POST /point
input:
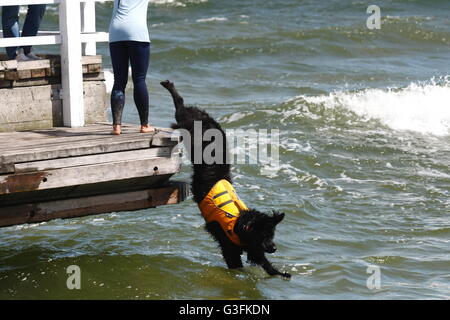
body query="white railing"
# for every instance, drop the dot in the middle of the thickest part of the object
(77, 35)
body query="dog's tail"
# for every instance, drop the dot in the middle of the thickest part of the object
(177, 99)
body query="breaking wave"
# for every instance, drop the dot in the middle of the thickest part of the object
(419, 107)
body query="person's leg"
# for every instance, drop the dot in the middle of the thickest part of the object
(120, 62)
(32, 23)
(139, 53)
(10, 25)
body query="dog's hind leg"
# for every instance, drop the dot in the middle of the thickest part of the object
(230, 252)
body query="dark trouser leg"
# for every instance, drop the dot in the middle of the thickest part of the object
(119, 59)
(32, 22)
(117, 105)
(139, 53)
(10, 25)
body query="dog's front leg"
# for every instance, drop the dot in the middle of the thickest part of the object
(258, 257)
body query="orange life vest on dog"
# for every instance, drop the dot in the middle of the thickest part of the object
(223, 205)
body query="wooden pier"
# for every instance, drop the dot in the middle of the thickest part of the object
(67, 164)
(71, 172)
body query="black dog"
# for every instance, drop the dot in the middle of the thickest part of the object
(252, 231)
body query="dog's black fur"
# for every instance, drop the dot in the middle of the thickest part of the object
(255, 229)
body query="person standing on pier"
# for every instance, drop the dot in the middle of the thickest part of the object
(10, 25)
(129, 44)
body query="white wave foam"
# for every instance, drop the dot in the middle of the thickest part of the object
(175, 2)
(236, 117)
(420, 107)
(212, 19)
(170, 2)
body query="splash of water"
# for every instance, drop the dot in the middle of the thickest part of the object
(421, 107)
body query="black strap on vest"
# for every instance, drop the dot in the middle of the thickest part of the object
(225, 203)
(220, 194)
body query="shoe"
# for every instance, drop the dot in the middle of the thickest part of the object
(21, 56)
(32, 56)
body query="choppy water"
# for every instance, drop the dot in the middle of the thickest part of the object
(364, 179)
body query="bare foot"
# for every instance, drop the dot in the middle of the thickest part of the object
(147, 129)
(116, 130)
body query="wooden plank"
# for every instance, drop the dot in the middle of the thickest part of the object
(34, 82)
(164, 138)
(172, 193)
(94, 76)
(49, 139)
(46, 67)
(56, 143)
(5, 84)
(91, 60)
(84, 190)
(53, 59)
(14, 142)
(11, 75)
(90, 160)
(80, 148)
(94, 68)
(91, 174)
(8, 65)
(30, 125)
(37, 73)
(53, 72)
(6, 168)
(35, 64)
(23, 74)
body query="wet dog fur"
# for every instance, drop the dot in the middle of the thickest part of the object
(255, 229)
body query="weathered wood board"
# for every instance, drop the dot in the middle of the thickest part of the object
(67, 172)
(61, 158)
(20, 147)
(42, 72)
(87, 174)
(134, 155)
(171, 193)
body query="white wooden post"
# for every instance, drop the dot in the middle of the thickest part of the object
(88, 25)
(71, 68)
